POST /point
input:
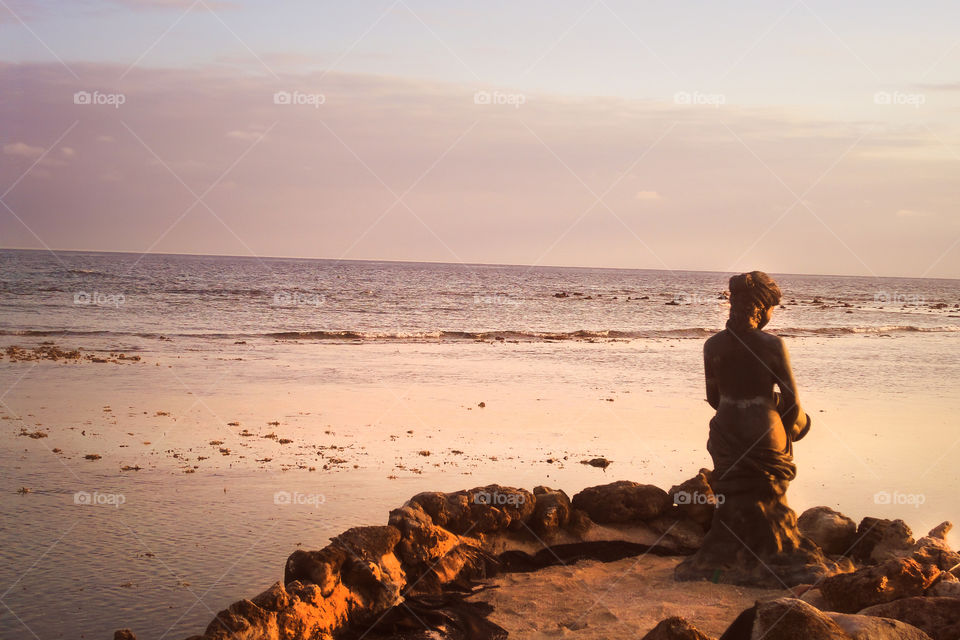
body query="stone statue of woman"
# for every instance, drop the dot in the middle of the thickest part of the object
(753, 539)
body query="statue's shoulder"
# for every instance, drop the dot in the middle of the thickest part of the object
(715, 341)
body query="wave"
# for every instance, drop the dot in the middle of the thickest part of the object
(486, 336)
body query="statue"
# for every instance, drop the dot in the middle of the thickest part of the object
(753, 538)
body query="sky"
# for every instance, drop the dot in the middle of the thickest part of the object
(795, 137)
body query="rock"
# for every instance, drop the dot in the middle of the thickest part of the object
(894, 579)
(896, 541)
(793, 619)
(551, 512)
(124, 634)
(623, 501)
(944, 588)
(695, 498)
(600, 463)
(872, 628)
(833, 532)
(933, 549)
(941, 530)
(815, 597)
(430, 555)
(479, 510)
(873, 533)
(675, 628)
(938, 617)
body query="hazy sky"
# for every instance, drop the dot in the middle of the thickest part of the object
(806, 136)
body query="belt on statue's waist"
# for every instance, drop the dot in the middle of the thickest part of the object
(744, 403)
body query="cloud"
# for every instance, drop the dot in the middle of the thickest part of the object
(911, 213)
(22, 150)
(483, 182)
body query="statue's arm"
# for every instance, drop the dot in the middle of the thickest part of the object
(791, 414)
(713, 393)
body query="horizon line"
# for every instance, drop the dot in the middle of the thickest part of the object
(441, 262)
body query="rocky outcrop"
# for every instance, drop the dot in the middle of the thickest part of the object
(379, 581)
(417, 566)
(833, 532)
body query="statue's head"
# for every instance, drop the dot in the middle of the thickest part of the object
(753, 297)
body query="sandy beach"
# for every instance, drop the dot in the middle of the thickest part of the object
(188, 438)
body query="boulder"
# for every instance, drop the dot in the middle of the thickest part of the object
(421, 541)
(815, 597)
(793, 619)
(480, 510)
(124, 634)
(887, 537)
(898, 578)
(947, 585)
(551, 512)
(933, 549)
(861, 627)
(675, 628)
(623, 502)
(938, 617)
(832, 531)
(896, 541)
(695, 498)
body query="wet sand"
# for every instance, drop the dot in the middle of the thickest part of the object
(611, 601)
(355, 430)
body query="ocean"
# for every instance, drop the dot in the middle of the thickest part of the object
(345, 387)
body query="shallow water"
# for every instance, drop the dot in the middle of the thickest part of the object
(182, 546)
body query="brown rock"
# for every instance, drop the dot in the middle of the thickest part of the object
(792, 619)
(480, 510)
(124, 634)
(832, 531)
(933, 549)
(623, 501)
(939, 618)
(872, 628)
(894, 579)
(896, 541)
(873, 532)
(695, 498)
(551, 512)
(675, 628)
